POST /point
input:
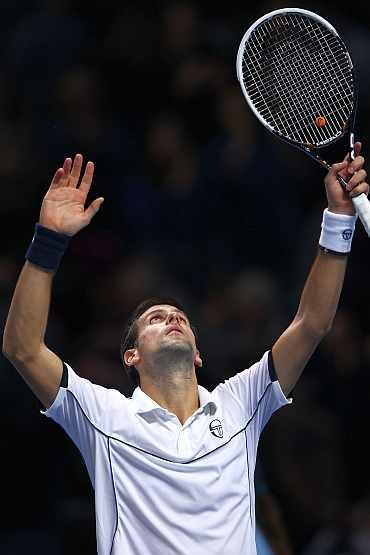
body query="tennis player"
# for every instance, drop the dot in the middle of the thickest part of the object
(172, 467)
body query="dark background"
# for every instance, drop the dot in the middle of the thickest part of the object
(200, 202)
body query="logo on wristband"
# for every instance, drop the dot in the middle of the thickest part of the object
(347, 234)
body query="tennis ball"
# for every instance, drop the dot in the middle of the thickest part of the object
(320, 121)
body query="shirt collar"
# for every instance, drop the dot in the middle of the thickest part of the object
(145, 404)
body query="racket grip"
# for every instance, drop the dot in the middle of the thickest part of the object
(362, 205)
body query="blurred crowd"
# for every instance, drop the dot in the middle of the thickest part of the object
(200, 203)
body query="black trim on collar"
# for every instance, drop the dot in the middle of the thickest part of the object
(271, 365)
(64, 380)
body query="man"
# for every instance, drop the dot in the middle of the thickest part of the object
(173, 467)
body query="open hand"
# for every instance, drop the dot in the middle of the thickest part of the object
(63, 207)
(352, 171)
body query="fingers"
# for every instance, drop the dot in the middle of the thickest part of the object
(358, 185)
(62, 175)
(356, 179)
(66, 168)
(336, 168)
(363, 187)
(58, 176)
(87, 178)
(69, 174)
(67, 165)
(93, 208)
(357, 182)
(349, 168)
(76, 170)
(356, 164)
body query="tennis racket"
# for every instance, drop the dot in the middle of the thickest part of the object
(298, 78)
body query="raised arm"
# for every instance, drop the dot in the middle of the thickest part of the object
(321, 293)
(62, 215)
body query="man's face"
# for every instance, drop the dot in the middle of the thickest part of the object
(164, 327)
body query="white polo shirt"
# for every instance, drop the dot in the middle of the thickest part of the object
(163, 488)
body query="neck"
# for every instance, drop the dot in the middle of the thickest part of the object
(176, 391)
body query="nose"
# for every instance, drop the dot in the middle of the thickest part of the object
(173, 317)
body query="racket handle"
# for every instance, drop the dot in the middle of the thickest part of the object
(362, 205)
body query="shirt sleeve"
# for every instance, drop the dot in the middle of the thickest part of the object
(82, 409)
(254, 394)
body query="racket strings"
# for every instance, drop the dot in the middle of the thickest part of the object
(272, 95)
(294, 70)
(335, 84)
(303, 44)
(274, 98)
(293, 84)
(297, 98)
(314, 86)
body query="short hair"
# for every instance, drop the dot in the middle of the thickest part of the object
(130, 332)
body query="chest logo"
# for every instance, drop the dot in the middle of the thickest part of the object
(216, 428)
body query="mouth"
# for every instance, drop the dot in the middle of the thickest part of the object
(174, 331)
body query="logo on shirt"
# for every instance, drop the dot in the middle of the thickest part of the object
(216, 428)
(347, 234)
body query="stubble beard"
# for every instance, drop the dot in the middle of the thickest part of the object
(174, 359)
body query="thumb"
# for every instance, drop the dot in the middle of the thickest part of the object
(93, 208)
(356, 151)
(357, 148)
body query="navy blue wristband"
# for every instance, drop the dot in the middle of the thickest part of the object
(47, 248)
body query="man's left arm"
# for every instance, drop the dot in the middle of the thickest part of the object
(321, 293)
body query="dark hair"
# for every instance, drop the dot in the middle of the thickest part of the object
(129, 336)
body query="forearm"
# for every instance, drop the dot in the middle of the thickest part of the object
(27, 319)
(323, 287)
(321, 293)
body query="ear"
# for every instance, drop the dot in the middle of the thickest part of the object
(198, 360)
(131, 357)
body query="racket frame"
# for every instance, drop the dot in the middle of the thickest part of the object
(310, 150)
(360, 202)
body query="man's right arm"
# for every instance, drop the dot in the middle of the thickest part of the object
(23, 341)
(63, 213)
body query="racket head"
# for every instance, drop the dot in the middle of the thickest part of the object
(297, 77)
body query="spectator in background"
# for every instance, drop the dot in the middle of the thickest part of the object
(271, 533)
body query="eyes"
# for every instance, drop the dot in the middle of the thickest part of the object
(156, 318)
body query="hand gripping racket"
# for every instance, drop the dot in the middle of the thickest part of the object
(297, 77)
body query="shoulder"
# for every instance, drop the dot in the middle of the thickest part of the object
(80, 398)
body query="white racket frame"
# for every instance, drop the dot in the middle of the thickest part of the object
(360, 202)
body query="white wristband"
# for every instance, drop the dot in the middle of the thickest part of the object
(337, 231)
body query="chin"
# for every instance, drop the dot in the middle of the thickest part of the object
(178, 348)
(177, 342)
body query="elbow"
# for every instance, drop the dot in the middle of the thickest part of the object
(9, 346)
(316, 329)
(10, 352)
(14, 352)
(6, 348)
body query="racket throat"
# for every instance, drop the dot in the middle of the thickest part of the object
(318, 158)
(327, 166)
